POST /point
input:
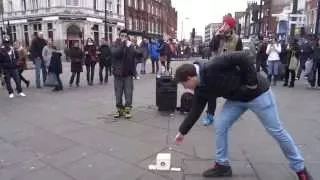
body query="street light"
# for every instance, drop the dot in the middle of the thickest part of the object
(105, 21)
(182, 35)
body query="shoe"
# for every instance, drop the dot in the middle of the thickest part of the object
(119, 113)
(77, 85)
(304, 175)
(28, 84)
(218, 171)
(285, 84)
(22, 94)
(138, 78)
(11, 96)
(207, 120)
(127, 113)
(291, 86)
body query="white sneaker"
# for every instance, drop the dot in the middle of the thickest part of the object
(138, 78)
(22, 94)
(11, 96)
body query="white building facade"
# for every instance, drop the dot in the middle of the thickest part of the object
(63, 21)
(210, 30)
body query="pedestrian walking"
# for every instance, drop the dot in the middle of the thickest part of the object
(292, 63)
(262, 56)
(104, 62)
(76, 56)
(91, 60)
(123, 65)
(138, 60)
(273, 52)
(22, 61)
(154, 55)
(144, 46)
(171, 53)
(55, 68)
(9, 64)
(316, 66)
(164, 53)
(37, 45)
(236, 80)
(306, 52)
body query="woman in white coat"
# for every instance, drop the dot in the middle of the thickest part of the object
(273, 52)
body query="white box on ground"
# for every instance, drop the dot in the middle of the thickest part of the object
(164, 161)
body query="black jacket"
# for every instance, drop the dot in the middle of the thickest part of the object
(228, 77)
(37, 46)
(123, 59)
(7, 61)
(105, 55)
(55, 63)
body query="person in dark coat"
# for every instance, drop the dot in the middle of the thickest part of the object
(104, 62)
(316, 66)
(55, 67)
(91, 60)
(76, 56)
(123, 65)
(262, 56)
(9, 64)
(22, 61)
(294, 50)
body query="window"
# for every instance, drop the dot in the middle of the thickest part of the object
(75, 3)
(13, 33)
(142, 4)
(118, 7)
(149, 26)
(48, 3)
(95, 4)
(129, 3)
(34, 4)
(142, 25)
(50, 31)
(130, 23)
(37, 28)
(23, 5)
(10, 6)
(109, 6)
(26, 34)
(136, 4)
(137, 24)
(149, 8)
(152, 9)
(110, 34)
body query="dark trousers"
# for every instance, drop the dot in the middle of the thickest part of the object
(90, 72)
(302, 66)
(316, 69)
(12, 73)
(73, 76)
(289, 73)
(166, 64)
(123, 85)
(103, 66)
(59, 86)
(21, 76)
(155, 66)
(262, 64)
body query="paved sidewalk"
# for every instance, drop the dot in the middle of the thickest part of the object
(71, 136)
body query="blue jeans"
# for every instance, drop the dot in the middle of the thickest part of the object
(273, 68)
(39, 65)
(265, 108)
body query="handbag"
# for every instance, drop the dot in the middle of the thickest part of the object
(294, 63)
(51, 80)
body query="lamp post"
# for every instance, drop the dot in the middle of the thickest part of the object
(317, 20)
(182, 28)
(294, 12)
(106, 38)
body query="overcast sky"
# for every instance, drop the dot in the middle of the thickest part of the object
(203, 12)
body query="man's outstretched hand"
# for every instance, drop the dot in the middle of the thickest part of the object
(179, 139)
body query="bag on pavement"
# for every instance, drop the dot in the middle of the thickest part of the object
(309, 66)
(51, 80)
(294, 62)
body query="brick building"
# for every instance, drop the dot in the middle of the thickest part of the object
(156, 17)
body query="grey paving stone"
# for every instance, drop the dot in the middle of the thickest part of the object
(15, 156)
(68, 156)
(123, 147)
(44, 173)
(152, 176)
(18, 170)
(102, 167)
(269, 171)
(45, 143)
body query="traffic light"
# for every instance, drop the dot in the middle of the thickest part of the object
(193, 34)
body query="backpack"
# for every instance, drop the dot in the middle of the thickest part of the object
(186, 103)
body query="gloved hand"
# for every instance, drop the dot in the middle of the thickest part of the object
(207, 119)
